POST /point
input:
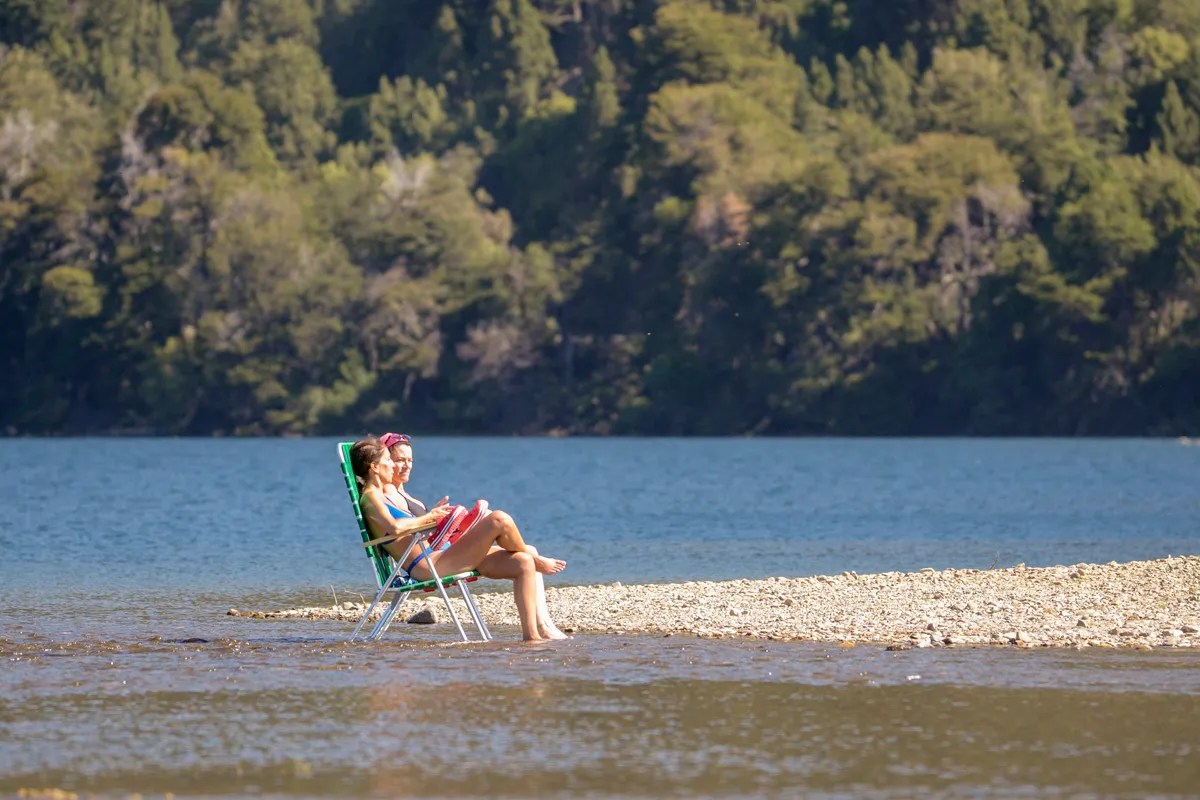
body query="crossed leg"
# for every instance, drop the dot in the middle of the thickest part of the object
(508, 536)
(494, 547)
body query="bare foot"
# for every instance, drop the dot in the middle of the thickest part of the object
(549, 630)
(548, 566)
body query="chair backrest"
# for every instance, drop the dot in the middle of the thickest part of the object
(379, 557)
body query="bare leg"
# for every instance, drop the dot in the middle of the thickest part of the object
(469, 551)
(508, 536)
(519, 568)
(476, 549)
(546, 626)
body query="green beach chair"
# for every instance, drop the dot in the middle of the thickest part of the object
(389, 574)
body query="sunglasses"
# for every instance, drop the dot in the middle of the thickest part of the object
(392, 439)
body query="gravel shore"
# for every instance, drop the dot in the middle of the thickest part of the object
(1138, 604)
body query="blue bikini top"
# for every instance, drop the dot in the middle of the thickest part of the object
(396, 511)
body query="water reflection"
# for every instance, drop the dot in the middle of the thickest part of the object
(598, 716)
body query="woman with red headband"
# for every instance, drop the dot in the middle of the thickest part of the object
(493, 545)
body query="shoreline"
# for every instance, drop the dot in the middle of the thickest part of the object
(1138, 604)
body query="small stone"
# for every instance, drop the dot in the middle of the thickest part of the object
(425, 616)
(932, 626)
(1189, 629)
(927, 570)
(233, 612)
(347, 605)
(1081, 623)
(895, 648)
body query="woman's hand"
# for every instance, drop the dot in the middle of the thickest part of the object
(436, 514)
(442, 502)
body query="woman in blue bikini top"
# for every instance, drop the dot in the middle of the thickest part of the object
(493, 546)
(398, 513)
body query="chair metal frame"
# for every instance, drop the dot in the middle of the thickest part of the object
(390, 575)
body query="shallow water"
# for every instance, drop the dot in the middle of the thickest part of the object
(121, 673)
(286, 708)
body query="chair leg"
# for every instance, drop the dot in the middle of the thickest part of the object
(389, 583)
(445, 597)
(472, 610)
(450, 608)
(389, 613)
(385, 621)
(484, 633)
(379, 596)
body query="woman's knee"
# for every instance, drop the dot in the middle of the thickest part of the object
(524, 561)
(496, 523)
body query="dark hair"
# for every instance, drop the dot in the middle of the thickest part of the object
(363, 454)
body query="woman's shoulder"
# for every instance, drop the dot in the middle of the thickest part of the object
(371, 494)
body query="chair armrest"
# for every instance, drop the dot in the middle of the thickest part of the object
(391, 537)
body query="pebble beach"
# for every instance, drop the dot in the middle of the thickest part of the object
(1139, 604)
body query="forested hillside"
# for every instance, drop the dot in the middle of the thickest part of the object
(600, 216)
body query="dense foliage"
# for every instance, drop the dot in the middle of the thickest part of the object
(600, 216)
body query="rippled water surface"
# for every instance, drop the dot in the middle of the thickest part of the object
(120, 672)
(286, 708)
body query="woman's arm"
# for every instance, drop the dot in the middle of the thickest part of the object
(380, 521)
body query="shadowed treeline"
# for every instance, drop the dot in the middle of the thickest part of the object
(600, 216)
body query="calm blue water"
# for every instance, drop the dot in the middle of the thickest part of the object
(113, 682)
(270, 517)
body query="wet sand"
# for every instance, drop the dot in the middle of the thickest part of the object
(1140, 604)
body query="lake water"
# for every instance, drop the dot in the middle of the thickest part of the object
(121, 673)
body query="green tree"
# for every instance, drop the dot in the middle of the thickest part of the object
(292, 88)
(48, 291)
(1179, 127)
(411, 116)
